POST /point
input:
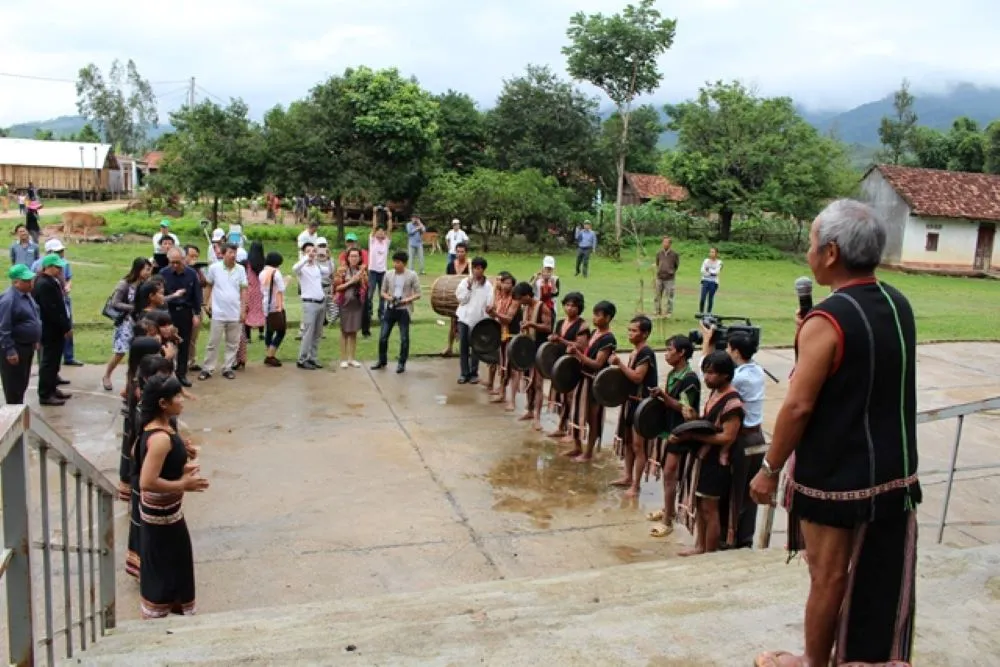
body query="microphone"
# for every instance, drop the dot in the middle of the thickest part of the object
(804, 290)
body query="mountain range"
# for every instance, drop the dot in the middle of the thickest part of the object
(857, 127)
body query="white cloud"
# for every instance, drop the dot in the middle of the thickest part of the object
(824, 54)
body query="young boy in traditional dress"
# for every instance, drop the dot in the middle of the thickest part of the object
(504, 310)
(588, 413)
(708, 477)
(640, 370)
(571, 330)
(536, 321)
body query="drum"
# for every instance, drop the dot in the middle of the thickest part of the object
(521, 352)
(484, 338)
(547, 356)
(611, 387)
(566, 374)
(443, 299)
(651, 417)
(696, 426)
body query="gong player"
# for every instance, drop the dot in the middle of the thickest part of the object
(536, 321)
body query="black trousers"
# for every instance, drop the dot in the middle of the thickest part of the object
(467, 357)
(375, 279)
(48, 367)
(15, 376)
(391, 318)
(183, 319)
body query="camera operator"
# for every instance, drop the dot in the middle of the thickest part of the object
(748, 452)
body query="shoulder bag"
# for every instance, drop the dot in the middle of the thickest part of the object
(276, 320)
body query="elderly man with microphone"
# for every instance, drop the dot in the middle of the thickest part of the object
(850, 419)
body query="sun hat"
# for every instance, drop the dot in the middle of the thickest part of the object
(164, 223)
(218, 235)
(53, 260)
(549, 262)
(351, 237)
(20, 272)
(54, 245)
(322, 241)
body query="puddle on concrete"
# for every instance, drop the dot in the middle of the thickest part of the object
(630, 554)
(537, 482)
(455, 399)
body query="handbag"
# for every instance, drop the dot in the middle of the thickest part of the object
(112, 313)
(276, 321)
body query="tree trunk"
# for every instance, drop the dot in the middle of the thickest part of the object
(725, 223)
(215, 212)
(622, 151)
(338, 218)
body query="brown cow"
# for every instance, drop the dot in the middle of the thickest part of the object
(80, 223)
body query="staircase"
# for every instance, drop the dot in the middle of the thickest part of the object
(719, 609)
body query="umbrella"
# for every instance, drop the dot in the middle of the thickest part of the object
(35, 205)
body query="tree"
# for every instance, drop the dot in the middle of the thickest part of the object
(740, 153)
(931, 148)
(642, 154)
(44, 135)
(87, 135)
(122, 107)
(618, 55)
(214, 151)
(967, 146)
(896, 134)
(461, 132)
(991, 148)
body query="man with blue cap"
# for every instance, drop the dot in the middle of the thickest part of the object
(20, 333)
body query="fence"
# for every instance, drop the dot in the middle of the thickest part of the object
(24, 435)
(959, 413)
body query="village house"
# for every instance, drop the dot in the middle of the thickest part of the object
(937, 220)
(61, 168)
(643, 188)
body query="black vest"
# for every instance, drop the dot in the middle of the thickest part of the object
(862, 433)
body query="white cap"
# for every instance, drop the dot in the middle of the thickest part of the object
(549, 262)
(54, 245)
(241, 255)
(218, 235)
(321, 241)
(456, 221)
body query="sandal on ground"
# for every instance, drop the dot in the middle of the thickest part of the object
(656, 515)
(660, 530)
(106, 383)
(778, 659)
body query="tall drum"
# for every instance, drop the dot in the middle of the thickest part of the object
(443, 299)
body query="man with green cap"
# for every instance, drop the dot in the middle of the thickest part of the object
(20, 333)
(56, 328)
(164, 233)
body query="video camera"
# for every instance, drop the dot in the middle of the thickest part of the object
(720, 337)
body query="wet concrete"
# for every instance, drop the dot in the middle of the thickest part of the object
(352, 483)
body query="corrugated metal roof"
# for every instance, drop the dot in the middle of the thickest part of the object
(62, 154)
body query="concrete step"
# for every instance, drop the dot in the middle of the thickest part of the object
(713, 610)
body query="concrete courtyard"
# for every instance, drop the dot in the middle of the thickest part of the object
(358, 483)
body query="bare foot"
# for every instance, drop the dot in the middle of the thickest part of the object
(622, 483)
(537, 425)
(525, 417)
(497, 398)
(633, 492)
(573, 453)
(568, 439)
(556, 434)
(582, 458)
(779, 659)
(509, 407)
(693, 551)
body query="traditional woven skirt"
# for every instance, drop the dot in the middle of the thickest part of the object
(166, 583)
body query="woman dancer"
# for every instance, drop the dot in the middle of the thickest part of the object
(123, 300)
(504, 310)
(640, 370)
(351, 288)
(166, 582)
(588, 413)
(571, 330)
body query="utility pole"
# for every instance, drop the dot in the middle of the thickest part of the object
(191, 94)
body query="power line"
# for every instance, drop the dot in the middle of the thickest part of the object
(32, 77)
(211, 94)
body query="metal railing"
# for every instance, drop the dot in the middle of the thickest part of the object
(21, 432)
(958, 412)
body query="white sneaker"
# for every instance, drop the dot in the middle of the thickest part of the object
(355, 364)
(343, 364)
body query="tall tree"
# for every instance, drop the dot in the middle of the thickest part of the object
(642, 154)
(991, 148)
(931, 148)
(87, 135)
(737, 152)
(542, 122)
(896, 134)
(461, 132)
(618, 54)
(123, 106)
(215, 151)
(967, 146)
(44, 135)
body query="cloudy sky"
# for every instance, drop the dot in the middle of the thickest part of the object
(824, 53)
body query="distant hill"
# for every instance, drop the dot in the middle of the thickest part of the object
(64, 126)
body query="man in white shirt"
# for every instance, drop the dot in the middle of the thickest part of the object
(475, 296)
(308, 235)
(226, 302)
(378, 260)
(313, 307)
(454, 237)
(162, 234)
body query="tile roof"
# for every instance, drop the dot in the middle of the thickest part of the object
(59, 154)
(153, 158)
(652, 186)
(945, 194)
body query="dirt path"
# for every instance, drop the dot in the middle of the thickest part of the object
(90, 207)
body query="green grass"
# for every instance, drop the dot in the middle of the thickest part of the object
(947, 308)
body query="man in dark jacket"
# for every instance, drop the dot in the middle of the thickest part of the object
(20, 332)
(56, 328)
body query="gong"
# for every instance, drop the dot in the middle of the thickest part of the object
(652, 417)
(547, 356)
(485, 337)
(490, 358)
(611, 387)
(696, 426)
(521, 352)
(566, 374)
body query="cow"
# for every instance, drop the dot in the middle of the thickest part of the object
(80, 223)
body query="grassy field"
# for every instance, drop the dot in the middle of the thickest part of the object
(946, 308)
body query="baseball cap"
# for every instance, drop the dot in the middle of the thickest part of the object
(218, 235)
(164, 223)
(20, 272)
(351, 237)
(53, 260)
(54, 245)
(322, 241)
(241, 255)
(549, 262)
(456, 221)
